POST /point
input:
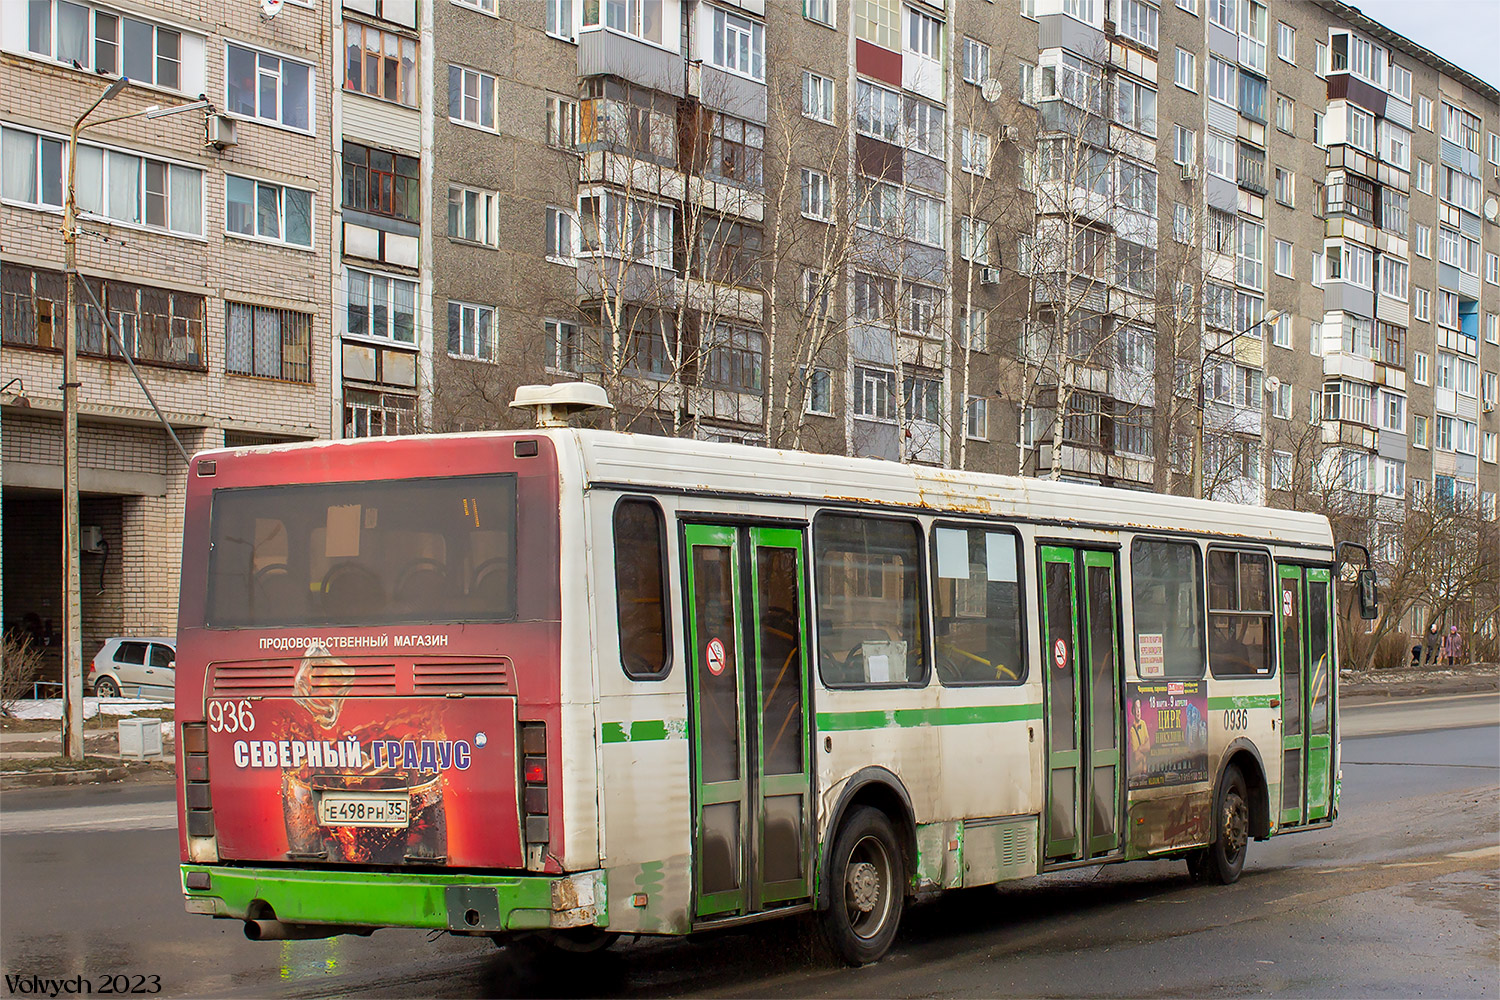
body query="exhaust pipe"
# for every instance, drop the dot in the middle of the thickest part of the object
(275, 930)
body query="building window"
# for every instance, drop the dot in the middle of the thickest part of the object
(1424, 177)
(976, 61)
(1286, 42)
(268, 211)
(378, 414)
(382, 183)
(271, 343)
(821, 11)
(562, 235)
(471, 98)
(735, 357)
(1135, 106)
(1182, 222)
(1219, 155)
(817, 292)
(1492, 268)
(977, 419)
(921, 398)
(817, 195)
(564, 345)
(974, 240)
(111, 183)
(154, 324)
(471, 331)
(268, 87)
(380, 64)
(633, 228)
(1221, 81)
(1137, 20)
(1252, 255)
(562, 122)
(1026, 82)
(878, 22)
(560, 19)
(473, 216)
(31, 171)
(729, 252)
(874, 393)
(1285, 113)
(925, 127)
(1392, 411)
(381, 307)
(924, 35)
(93, 39)
(1393, 277)
(819, 389)
(1185, 145)
(739, 44)
(1391, 348)
(877, 111)
(1419, 368)
(1281, 401)
(975, 149)
(1318, 129)
(736, 150)
(1286, 187)
(1284, 259)
(817, 97)
(1187, 70)
(974, 330)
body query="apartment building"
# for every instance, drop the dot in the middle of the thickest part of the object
(203, 237)
(1034, 236)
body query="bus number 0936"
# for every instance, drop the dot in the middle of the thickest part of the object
(230, 717)
(1237, 718)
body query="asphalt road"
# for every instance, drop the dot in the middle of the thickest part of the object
(1399, 898)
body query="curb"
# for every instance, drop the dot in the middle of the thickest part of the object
(39, 779)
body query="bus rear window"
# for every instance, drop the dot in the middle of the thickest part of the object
(418, 550)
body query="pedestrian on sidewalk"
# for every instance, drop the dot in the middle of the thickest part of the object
(1453, 646)
(1434, 644)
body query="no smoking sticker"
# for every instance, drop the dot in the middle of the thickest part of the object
(714, 654)
(1060, 653)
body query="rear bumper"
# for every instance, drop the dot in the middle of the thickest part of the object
(472, 903)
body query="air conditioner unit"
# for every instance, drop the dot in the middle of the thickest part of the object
(1489, 407)
(1189, 171)
(989, 276)
(1007, 132)
(90, 539)
(221, 132)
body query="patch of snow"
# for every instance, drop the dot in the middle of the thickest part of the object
(51, 708)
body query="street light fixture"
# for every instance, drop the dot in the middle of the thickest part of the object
(72, 722)
(1200, 402)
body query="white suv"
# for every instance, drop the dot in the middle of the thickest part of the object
(138, 668)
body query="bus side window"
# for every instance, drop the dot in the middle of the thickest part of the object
(640, 592)
(1166, 582)
(977, 608)
(869, 601)
(1239, 613)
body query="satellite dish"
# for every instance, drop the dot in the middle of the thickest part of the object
(1273, 384)
(270, 8)
(1491, 208)
(990, 90)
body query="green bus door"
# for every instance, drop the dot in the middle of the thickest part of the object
(1308, 675)
(747, 608)
(1081, 629)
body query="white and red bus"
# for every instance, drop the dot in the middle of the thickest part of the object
(586, 683)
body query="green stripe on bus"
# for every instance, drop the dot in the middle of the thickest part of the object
(1243, 701)
(643, 730)
(911, 718)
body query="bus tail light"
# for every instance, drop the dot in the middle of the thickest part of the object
(197, 794)
(534, 789)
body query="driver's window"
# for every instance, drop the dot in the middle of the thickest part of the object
(977, 606)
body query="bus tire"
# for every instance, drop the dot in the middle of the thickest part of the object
(1231, 839)
(867, 886)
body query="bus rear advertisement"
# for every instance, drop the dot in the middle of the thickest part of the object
(571, 684)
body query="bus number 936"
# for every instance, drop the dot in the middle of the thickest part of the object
(230, 717)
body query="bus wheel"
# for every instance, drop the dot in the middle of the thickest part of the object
(867, 881)
(1226, 855)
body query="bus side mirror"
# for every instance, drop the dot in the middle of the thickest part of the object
(1369, 607)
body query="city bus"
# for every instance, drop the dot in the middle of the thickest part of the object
(576, 683)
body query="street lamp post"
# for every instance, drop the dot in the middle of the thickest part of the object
(72, 723)
(1199, 403)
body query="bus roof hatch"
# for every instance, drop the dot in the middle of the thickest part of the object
(552, 405)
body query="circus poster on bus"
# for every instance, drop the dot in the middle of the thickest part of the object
(1167, 729)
